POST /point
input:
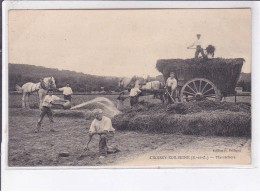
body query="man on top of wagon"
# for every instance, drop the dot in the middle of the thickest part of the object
(198, 46)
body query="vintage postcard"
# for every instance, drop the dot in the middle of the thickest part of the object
(129, 88)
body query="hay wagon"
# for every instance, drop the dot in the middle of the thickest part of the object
(201, 79)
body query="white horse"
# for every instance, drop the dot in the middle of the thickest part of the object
(152, 85)
(123, 83)
(40, 87)
(128, 83)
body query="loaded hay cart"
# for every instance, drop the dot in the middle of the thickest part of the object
(202, 79)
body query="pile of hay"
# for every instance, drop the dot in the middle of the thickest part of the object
(80, 114)
(224, 73)
(108, 107)
(200, 118)
(207, 105)
(162, 64)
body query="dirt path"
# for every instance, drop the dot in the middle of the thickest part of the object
(27, 148)
(190, 150)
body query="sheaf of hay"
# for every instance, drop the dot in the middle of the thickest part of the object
(202, 118)
(187, 63)
(224, 73)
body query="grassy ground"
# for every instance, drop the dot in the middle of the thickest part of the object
(15, 101)
(27, 148)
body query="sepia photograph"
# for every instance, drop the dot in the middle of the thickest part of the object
(129, 88)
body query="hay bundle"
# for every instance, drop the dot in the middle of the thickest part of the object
(224, 73)
(195, 107)
(217, 123)
(105, 104)
(202, 118)
(210, 50)
(188, 108)
(187, 63)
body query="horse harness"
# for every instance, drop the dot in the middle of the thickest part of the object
(42, 84)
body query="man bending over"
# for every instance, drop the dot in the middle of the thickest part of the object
(102, 126)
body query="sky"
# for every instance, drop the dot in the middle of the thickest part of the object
(124, 42)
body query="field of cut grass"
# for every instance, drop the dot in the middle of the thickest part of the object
(29, 149)
(26, 148)
(15, 101)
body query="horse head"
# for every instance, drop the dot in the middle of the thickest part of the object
(48, 82)
(52, 83)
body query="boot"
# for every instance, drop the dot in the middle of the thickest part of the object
(38, 127)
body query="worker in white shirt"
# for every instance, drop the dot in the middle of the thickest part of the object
(198, 46)
(47, 103)
(171, 85)
(134, 95)
(67, 92)
(102, 126)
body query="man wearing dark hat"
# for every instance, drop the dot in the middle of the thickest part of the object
(198, 46)
(47, 103)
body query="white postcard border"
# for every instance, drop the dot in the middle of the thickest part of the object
(13, 178)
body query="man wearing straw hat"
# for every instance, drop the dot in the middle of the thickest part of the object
(102, 126)
(198, 46)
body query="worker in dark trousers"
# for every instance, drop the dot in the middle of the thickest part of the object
(67, 92)
(134, 95)
(171, 85)
(198, 46)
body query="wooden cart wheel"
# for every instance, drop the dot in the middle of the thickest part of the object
(199, 89)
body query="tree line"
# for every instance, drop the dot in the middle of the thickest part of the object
(79, 82)
(245, 82)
